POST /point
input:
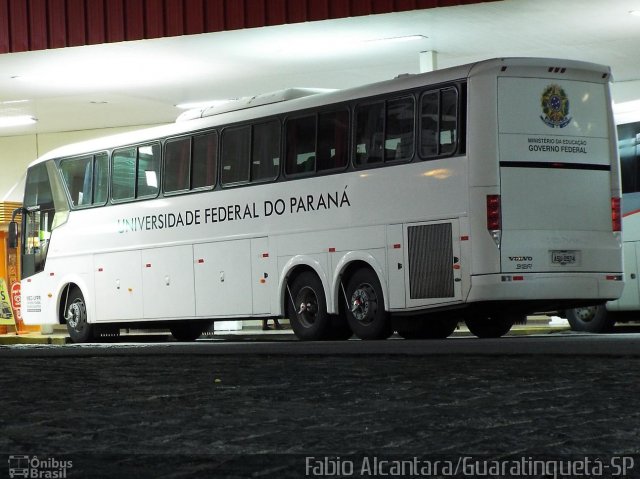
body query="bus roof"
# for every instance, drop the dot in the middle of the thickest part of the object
(299, 99)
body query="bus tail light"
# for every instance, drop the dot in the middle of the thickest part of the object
(616, 215)
(494, 218)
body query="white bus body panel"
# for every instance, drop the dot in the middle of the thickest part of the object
(250, 238)
(300, 230)
(167, 281)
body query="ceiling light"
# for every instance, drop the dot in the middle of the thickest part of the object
(18, 120)
(635, 12)
(13, 102)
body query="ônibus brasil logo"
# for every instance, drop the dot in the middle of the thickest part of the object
(555, 107)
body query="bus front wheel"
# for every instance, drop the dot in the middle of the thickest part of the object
(308, 309)
(592, 319)
(494, 326)
(75, 315)
(365, 306)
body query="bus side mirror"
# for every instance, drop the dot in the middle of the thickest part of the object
(13, 234)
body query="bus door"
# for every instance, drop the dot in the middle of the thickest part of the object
(432, 258)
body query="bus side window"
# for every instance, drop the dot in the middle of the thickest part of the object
(301, 145)
(369, 133)
(123, 174)
(399, 129)
(333, 140)
(265, 151)
(148, 170)
(235, 155)
(429, 106)
(177, 165)
(78, 176)
(100, 178)
(448, 121)
(439, 123)
(205, 160)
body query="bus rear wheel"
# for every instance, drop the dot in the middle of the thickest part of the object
(592, 319)
(493, 326)
(308, 312)
(75, 315)
(365, 306)
(426, 328)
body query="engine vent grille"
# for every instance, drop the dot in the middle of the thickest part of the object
(430, 261)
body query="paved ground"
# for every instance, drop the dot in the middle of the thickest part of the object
(261, 415)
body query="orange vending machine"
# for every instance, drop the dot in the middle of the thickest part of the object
(10, 271)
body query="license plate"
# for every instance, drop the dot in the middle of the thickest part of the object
(564, 257)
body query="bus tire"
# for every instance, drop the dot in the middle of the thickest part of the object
(494, 326)
(187, 331)
(591, 319)
(308, 313)
(75, 315)
(426, 328)
(366, 312)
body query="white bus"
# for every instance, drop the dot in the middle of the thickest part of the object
(478, 193)
(601, 318)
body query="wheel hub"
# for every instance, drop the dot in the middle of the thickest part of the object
(586, 314)
(308, 307)
(73, 315)
(360, 303)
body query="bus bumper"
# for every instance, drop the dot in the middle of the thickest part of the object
(540, 286)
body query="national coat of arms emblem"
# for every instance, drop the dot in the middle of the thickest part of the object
(555, 107)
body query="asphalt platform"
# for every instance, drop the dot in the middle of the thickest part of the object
(333, 415)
